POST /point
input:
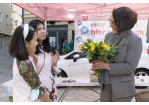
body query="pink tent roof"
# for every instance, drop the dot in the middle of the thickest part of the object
(67, 11)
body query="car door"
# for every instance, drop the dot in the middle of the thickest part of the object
(81, 67)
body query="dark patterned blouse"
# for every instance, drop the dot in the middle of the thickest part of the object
(26, 70)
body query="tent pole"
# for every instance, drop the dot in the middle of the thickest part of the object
(46, 19)
(45, 24)
(22, 16)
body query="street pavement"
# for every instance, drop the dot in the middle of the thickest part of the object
(6, 63)
(76, 94)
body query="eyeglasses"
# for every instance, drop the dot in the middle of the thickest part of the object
(111, 22)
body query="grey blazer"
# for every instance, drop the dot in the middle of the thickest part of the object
(122, 71)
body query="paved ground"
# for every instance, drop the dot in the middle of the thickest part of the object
(76, 94)
(6, 63)
(4, 95)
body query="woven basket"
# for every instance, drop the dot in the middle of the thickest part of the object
(142, 96)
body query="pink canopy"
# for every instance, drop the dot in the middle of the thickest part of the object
(67, 11)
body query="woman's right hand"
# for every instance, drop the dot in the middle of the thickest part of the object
(55, 58)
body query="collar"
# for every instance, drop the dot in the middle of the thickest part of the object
(123, 33)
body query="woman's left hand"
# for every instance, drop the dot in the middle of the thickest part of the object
(100, 65)
(55, 58)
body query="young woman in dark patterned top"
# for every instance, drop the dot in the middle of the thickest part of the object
(26, 83)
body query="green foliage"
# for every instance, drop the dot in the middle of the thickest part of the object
(89, 41)
(11, 98)
(102, 51)
(53, 22)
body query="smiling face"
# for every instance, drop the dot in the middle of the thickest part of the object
(113, 26)
(41, 32)
(31, 45)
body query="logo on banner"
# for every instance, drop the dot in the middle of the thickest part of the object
(79, 23)
(85, 18)
(80, 47)
(84, 30)
(79, 39)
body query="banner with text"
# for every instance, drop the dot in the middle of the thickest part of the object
(96, 30)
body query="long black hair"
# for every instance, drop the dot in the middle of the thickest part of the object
(46, 44)
(17, 45)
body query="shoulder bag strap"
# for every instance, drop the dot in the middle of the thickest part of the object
(43, 64)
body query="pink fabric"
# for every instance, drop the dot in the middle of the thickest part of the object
(67, 11)
(45, 75)
(21, 89)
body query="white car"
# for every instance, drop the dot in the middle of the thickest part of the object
(72, 67)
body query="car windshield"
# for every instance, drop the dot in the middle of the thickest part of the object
(74, 53)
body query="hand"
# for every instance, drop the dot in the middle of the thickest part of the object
(55, 58)
(99, 65)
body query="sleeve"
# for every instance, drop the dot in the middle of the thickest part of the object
(105, 37)
(133, 56)
(28, 73)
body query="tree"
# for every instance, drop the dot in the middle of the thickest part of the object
(53, 22)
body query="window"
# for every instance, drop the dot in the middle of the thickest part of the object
(11, 6)
(7, 20)
(1, 43)
(11, 23)
(74, 53)
(1, 17)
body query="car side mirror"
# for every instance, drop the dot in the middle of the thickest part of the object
(75, 57)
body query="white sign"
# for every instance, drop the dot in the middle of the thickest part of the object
(52, 41)
(96, 30)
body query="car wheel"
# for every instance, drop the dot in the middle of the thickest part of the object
(141, 72)
(61, 74)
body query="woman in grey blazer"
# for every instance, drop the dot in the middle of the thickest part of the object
(117, 78)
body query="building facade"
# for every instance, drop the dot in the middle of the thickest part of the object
(9, 13)
(16, 17)
(5, 27)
